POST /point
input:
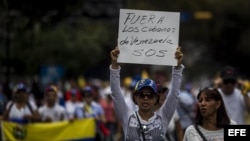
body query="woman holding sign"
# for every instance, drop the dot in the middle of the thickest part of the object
(145, 124)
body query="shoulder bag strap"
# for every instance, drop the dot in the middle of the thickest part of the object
(200, 133)
(30, 107)
(141, 129)
(6, 114)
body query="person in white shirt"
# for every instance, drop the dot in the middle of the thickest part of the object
(72, 104)
(51, 111)
(20, 109)
(92, 109)
(237, 103)
(211, 117)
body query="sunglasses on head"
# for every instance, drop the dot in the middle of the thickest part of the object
(208, 88)
(149, 95)
(229, 81)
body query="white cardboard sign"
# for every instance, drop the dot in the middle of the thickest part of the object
(148, 37)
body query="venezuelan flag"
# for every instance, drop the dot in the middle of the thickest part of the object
(77, 130)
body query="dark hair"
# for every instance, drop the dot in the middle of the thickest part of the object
(222, 116)
(87, 91)
(162, 89)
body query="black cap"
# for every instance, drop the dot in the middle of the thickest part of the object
(228, 72)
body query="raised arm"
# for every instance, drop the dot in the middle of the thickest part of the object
(169, 106)
(114, 55)
(179, 56)
(120, 105)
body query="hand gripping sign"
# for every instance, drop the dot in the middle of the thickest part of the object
(148, 37)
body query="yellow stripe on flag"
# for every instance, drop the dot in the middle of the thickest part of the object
(79, 129)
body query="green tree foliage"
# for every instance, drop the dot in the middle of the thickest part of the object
(78, 34)
(74, 47)
(51, 33)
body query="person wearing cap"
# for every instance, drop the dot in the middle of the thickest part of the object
(236, 102)
(73, 103)
(91, 109)
(68, 94)
(175, 132)
(20, 109)
(145, 123)
(51, 111)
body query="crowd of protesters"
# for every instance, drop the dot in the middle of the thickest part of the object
(57, 104)
(30, 103)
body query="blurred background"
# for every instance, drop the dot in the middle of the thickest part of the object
(56, 40)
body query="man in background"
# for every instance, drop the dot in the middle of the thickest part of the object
(236, 102)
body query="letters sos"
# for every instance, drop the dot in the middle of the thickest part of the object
(149, 52)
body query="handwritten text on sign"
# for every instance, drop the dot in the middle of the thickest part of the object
(148, 37)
